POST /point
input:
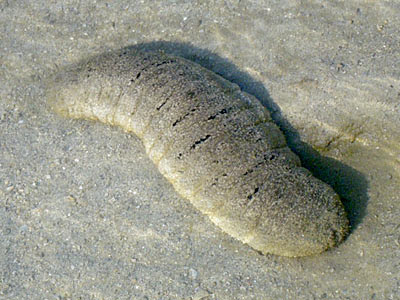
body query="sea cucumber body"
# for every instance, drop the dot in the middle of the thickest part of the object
(217, 145)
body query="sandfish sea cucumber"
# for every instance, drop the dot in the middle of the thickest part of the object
(216, 144)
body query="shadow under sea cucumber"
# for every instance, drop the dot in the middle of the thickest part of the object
(216, 144)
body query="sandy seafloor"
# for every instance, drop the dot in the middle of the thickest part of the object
(84, 214)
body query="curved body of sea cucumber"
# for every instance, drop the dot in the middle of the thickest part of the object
(216, 144)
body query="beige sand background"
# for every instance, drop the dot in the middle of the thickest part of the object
(85, 215)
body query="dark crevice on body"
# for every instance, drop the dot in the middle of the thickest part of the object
(202, 140)
(162, 104)
(183, 117)
(157, 64)
(266, 157)
(221, 112)
(253, 194)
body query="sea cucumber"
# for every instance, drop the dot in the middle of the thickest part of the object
(216, 144)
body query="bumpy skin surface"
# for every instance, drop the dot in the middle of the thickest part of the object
(216, 144)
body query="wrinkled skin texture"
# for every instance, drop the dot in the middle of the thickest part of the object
(217, 145)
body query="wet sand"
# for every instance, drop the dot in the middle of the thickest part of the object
(83, 211)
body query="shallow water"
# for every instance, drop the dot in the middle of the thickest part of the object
(84, 213)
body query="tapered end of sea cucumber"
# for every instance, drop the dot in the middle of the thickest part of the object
(310, 220)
